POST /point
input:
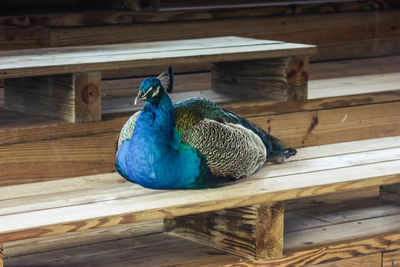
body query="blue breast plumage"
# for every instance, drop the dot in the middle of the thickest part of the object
(190, 145)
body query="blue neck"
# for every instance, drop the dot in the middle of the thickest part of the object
(155, 157)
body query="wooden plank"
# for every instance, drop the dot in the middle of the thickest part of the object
(343, 35)
(297, 222)
(346, 85)
(136, 249)
(151, 250)
(251, 106)
(87, 96)
(12, 39)
(119, 88)
(318, 215)
(272, 79)
(102, 180)
(17, 199)
(347, 124)
(372, 260)
(163, 249)
(90, 237)
(346, 77)
(103, 17)
(354, 67)
(391, 259)
(252, 232)
(149, 207)
(59, 151)
(142, 54)
(335, 198)
(71, 97)
(338, 233)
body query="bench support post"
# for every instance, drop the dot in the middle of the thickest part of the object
(254, 232)
(283, 79)
(70, 97)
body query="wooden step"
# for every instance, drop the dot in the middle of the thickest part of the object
(68, 86)
(50, 61)
(57, 150)
(106, 200)
(319, 234)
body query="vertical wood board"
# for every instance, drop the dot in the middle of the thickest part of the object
(252, 232)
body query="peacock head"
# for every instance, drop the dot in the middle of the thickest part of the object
(152, 89)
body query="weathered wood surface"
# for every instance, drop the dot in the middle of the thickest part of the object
(251, 232)
(372, 260)
(282, 79)
(167, 250)
(70, 97)
(332, 199)
(48, 213)
(391, 259)
(345, 77)
(77, 239)
(293, 222)
(110, 57)
(45, 152)
(180, 13)
(348, 34)
(368, 32)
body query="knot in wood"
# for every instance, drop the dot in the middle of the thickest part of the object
(90, 94)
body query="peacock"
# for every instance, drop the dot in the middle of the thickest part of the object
(192, 144)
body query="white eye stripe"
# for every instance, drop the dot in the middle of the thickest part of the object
(148, 91)
(156, 92)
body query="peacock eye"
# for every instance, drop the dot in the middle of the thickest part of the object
(156, 92)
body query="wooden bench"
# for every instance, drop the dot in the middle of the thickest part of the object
(245, 218)
(98, 202)
(69, 84)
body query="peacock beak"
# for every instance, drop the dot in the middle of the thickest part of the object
(140, 96)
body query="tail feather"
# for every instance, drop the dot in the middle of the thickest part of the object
(289, 152)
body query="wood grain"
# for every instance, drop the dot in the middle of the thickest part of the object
(87, 96)
(98, 211)
(332, 199)
(391, 259)
(151, 250)
(65, 150)
(340, 232)
(103, 17)
(281, 79)
(70, 97)
(13, 39)
(297, 78)
(354, 34)
(32, 197)
(333, 252)
(252, 232)
(265, 78)
(90, 237)
(372, 260)
(161, 249)
(109, 57)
